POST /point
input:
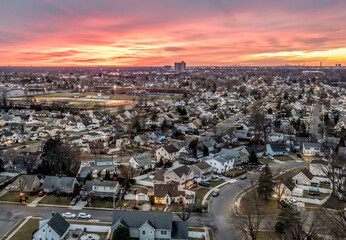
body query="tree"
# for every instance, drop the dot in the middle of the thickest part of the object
(154, 116)
(193, 146)
(152, 200)
(183, 211)
(260, 125)
(253, 158)
(266, 184)
(121, 233)
(205, 151)
(126, 173)
(107, 175)
(2, 164)
(252, 215)
(59, 157)
(288, 216)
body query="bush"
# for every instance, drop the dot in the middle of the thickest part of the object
(280, 227)
(152, 200)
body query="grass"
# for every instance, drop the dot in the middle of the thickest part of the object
(269, 206)
(200, 193)
(158, 208)
(284, 158)
(334, 203)
(102, 204)
(268, 235)
(72, 221)
(25, 232)
(323, 185)
(321, 196)
(53, 200)
(13, 228)
(14, 197)
(214, 183)
(266, 161)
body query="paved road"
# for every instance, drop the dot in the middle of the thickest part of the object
(315, 121)
(219, 218)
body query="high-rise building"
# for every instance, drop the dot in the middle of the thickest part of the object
(180, 67)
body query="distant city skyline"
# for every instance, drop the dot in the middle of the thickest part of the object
(158, 33)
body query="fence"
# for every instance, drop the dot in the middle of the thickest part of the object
(90, 228)
(322, 190)
(313, 201)
(196, 234)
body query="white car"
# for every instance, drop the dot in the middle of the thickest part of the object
(84, 216)
(69, 215)
(8, 187)
(221, 177)
(292, 200)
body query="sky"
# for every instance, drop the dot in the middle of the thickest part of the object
(161, 32)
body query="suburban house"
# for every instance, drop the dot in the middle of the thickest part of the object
(150, 225)
(319, 167)
(52, 227)
(276, 149)
(287, 189)
(169, 152)
(97, 148)
(138, 194)
(220, 163)
(258, 152)
(311, 149)
(181, 174)
(305, 177)
(238, 154)
(102, 188)
(168, 193)
(275, 137)
(202, 171)
(68, 185)
(26, 183)
(142, 162)
(209, 145)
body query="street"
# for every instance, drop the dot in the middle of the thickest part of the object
(219, 217)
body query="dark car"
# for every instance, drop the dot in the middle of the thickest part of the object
(216, 193)
(74, 201)
(204, 184)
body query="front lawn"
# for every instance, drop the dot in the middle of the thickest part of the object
(102, 204)
(53, 200)
(266, 161)
(14, 197)
(200, 193)
(214, 183)
(284, 158)
(25, 232)
(269, 206)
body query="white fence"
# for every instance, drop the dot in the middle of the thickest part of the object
(322, 190)
(313, 201)
(90, 228)
(196, 234)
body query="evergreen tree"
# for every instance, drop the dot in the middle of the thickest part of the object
(121, 233)
(288, 217)
(193, 146)
(253, 158)
(266, 184)
(160, 163)
(2, 168)
(205, 151)
(107, 176)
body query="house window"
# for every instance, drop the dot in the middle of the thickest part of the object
(49, 230)
(143, 232)
(163, 232)
(43, 230)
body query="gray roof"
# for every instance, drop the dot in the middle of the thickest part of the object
(54, 182)
(99, 161)
(143, 160)
(58, 224)
(135, 219)
(278, 147)
(313, 145)
(29, 180)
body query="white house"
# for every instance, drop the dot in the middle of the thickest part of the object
(102, 188)
(276, 137)
(220, 163)
(52, 227)
(305, 177)
(142, 162)
(169, 152)
(311, 149)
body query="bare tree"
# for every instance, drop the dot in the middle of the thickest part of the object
(261, 126)
(183, 211)
(252, 215)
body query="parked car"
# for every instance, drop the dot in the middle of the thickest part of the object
(292, 200)
(243, 177)
(69, 215)
(74, 201)
(204, 184)
(84, 216)
(216, 193)
(8, 187)
(220, 177)
(41, 193)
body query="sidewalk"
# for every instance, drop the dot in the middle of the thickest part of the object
(79, 206)
(204, 201)
(294, 157)
(2, 193)
(19, 227)
(36, 201)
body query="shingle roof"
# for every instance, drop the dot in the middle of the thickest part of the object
(53, 182)
(170, 148)
(278, 147)
(58, 224)
(180, 171)
(143, 160)
(202, 165)
(161, 190)
(289, 184)
(307, 173)
(135, 219)
(322, 162)
(314, 145)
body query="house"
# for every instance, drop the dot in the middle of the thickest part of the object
(157, 137)
(143, 139)
(101, 165)
(102, 188)
(26, 183)
(305, 177)
(275, 137)
(220, 163)
(68, 185)
(287, 189)
(52, 227)
(150, 225)
(159, 176)
(319, 167)
(138, 194)
(97, 148)
(258, 152)
(142, 162)
(168, 193)
(181, 174)
(202, 171)
(311, 149)
(168, 152)
(276, 149)
(209, 145)
(238, 154)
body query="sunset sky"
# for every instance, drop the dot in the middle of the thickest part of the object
(160, 32)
